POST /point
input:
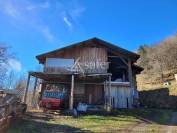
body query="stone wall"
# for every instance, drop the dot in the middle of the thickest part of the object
(158, 98)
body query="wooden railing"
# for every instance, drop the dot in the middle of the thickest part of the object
(79, 68)
(56, 70)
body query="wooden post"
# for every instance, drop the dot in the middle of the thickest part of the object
(26, 89)
(110, 90)
(130, 76)
(34, 91)
(71, 93)
(43, 87)
(105, 93)
(108, 106)
(123, 77)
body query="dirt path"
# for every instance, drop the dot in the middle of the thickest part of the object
(149, 126)
(139, 127)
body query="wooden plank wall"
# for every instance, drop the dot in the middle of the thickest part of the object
(95, 92)
(92, 94)
(119, 96)
(86, 55)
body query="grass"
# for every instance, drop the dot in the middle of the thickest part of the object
(97, 123)
(120, 120)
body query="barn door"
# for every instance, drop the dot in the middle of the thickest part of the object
(124, 98)
(114, 97)
(123, 95)
(120, 97)
(126, 103)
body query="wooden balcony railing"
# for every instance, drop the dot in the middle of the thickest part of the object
(96, 67)
(56, 70)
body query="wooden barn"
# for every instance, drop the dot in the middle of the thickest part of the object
(94, 72)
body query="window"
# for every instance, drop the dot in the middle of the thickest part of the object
(59, 62)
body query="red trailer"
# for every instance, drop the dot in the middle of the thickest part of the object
(52, 100)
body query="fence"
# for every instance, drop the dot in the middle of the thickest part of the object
(10, 107)
(5, 118)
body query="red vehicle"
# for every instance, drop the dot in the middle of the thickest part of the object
(52, 100)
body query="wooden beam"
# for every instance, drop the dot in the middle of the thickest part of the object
(43, 87)
(123, 77)
(34, 90)
(130, 76)
(124, 61)
(99, 74)
(121, 58)
(113, 56)
(26, 89)
(108, 88)
(71, 93)
(58, 82)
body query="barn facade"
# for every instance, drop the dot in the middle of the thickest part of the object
(93, 72)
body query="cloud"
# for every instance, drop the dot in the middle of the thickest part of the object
(30, 7)
(71, 12)
(44, 5)
(14, 65)
(21, 13)
(47, 33)
(77, 12)
(31, 13)
(9, 9)
(67, 22)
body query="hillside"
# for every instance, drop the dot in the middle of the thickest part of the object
(159, 62)
(157, 84)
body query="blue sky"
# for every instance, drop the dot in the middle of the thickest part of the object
(32, 27)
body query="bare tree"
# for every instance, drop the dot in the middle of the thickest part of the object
(159, 58)
(10, 80)
(20, 86)
(4, 55)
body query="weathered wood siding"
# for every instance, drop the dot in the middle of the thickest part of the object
(94, 94)
(90, 94)
(85, 54)
(91, 60)
(120, 95)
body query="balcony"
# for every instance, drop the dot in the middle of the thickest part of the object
(60, 66)
(57, 70)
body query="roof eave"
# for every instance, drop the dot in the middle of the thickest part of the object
(130, 54)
